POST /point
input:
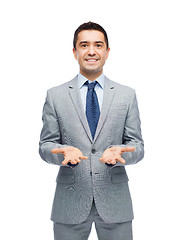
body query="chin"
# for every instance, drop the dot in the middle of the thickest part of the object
(92, 68)
(92, 71)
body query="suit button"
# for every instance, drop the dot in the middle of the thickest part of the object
(93, 150)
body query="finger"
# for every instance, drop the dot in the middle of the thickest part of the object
(57, 150)
(83, 157)
(73, 161)
(128, 149)
(102, 160)
(121, 160)
(77, 160)
(113, 161)
(64, 162)
(108, 161)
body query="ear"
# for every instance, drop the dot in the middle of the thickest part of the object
(75, 53)
(107, 55)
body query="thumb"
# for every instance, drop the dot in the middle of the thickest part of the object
(57, 150)
(121, 160)
(128, 149)
(83, 157)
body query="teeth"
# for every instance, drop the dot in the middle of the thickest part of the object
(91, 60)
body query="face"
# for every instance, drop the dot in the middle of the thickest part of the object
(91, 53)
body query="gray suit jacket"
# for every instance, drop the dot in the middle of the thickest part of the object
(65, 124)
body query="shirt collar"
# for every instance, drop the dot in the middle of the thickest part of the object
(82, 80)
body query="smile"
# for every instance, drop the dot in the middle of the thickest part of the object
(91, 60)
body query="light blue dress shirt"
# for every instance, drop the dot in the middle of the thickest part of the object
(99, 89)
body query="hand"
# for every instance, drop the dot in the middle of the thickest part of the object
(113, 154)
(71, 154)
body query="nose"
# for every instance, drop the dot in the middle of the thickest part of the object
(91, 50)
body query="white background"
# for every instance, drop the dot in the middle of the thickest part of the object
(147, 53)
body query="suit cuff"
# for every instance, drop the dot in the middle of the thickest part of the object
(72, 165)
(110, 165)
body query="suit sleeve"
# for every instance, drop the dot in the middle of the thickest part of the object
(132, 135)
(50, 136)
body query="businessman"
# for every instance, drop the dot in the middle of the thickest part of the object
(91, 129)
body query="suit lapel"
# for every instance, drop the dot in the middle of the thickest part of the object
(76, 99)
(107, 100)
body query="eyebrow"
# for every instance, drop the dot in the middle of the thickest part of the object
(82, 42)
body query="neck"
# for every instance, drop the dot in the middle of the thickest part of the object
(91, 76)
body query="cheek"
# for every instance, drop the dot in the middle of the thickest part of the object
(103, 55)
(78, 57)
(104, 58)
(81, 56)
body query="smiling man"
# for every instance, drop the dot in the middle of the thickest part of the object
(91, 51)
(91, 129)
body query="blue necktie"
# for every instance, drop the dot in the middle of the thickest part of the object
(92, 107)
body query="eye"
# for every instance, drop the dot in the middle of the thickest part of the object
(84, 45)
(98, 45)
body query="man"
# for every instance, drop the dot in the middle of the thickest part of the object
(91, 129)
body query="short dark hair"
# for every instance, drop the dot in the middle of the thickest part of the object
(90, 26)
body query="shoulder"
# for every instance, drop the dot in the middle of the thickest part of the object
(62, 86)
(61, 89)
(120, 88)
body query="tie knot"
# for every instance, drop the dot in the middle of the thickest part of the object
(91, 85)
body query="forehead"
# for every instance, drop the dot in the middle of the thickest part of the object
(90, 36)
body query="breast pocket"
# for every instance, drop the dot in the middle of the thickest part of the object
(118, 115)
(66, 175)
